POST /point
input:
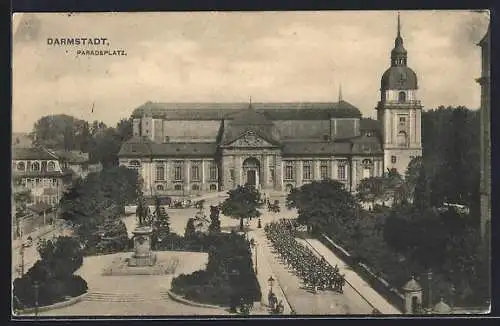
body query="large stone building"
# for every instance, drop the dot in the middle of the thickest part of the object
(484, 81)
(185, 149)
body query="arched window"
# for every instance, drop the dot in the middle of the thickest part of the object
(35, 166)
(51, 166)
(177, 187)
(160, 187)
(402, 139)
(21, 166)
(367, 168)
(195, 187)
(134, 165)
(402, 97)
(213, 187)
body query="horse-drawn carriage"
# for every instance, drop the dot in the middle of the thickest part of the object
(184, 203)
(274, 207)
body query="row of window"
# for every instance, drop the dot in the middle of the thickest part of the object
(51, 200)
(195, 172)
(35, 166)
(37, 182)
(394, 159)
(324, 169)
(195, 187)
(178, 170)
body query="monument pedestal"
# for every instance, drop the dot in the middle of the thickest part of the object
(142, 248)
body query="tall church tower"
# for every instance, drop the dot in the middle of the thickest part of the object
(399, 110)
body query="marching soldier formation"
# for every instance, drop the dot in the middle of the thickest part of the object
(316, 273)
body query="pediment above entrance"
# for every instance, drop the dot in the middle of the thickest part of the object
(250, 139)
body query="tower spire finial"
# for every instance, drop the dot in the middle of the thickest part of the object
(399, 26)
(340, 92)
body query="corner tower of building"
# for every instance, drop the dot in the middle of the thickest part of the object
(399, 110)
(485, 188)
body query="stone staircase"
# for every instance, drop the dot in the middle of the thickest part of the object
(156, 295)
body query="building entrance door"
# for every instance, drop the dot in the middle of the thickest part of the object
(251, 171)
(251, 178)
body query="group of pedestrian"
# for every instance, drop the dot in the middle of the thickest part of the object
(315, 272)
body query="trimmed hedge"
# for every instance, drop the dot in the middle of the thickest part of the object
(229, 276)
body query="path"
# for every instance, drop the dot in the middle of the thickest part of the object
(133, 295)
(355, 280)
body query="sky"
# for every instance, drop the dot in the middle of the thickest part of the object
(232, 56)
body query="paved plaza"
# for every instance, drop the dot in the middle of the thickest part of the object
(147, 294)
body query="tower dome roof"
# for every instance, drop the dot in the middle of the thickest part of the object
(399, 78)
(412, 286)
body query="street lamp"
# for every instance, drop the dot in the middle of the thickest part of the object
(35, 285)
(255, 246)
(271, 283)
(429, 279)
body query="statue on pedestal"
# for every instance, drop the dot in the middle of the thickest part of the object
(142, 212)
(142, 236)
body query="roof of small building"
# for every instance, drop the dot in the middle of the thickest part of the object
(32, 153)
(273, 111)
(441, 307)
(40, 208)
(73, 156)
(412, 286)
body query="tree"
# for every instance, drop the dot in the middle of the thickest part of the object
(372, 190)
(324, 204)
(54, 131)
(242, 203)
(161, 226)
(214, 226)
(412, 175)
(21, 199)
(421, 192)
(124, 129)
(92, 201)
(190, 231)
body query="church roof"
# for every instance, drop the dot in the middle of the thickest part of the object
(272, 111)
